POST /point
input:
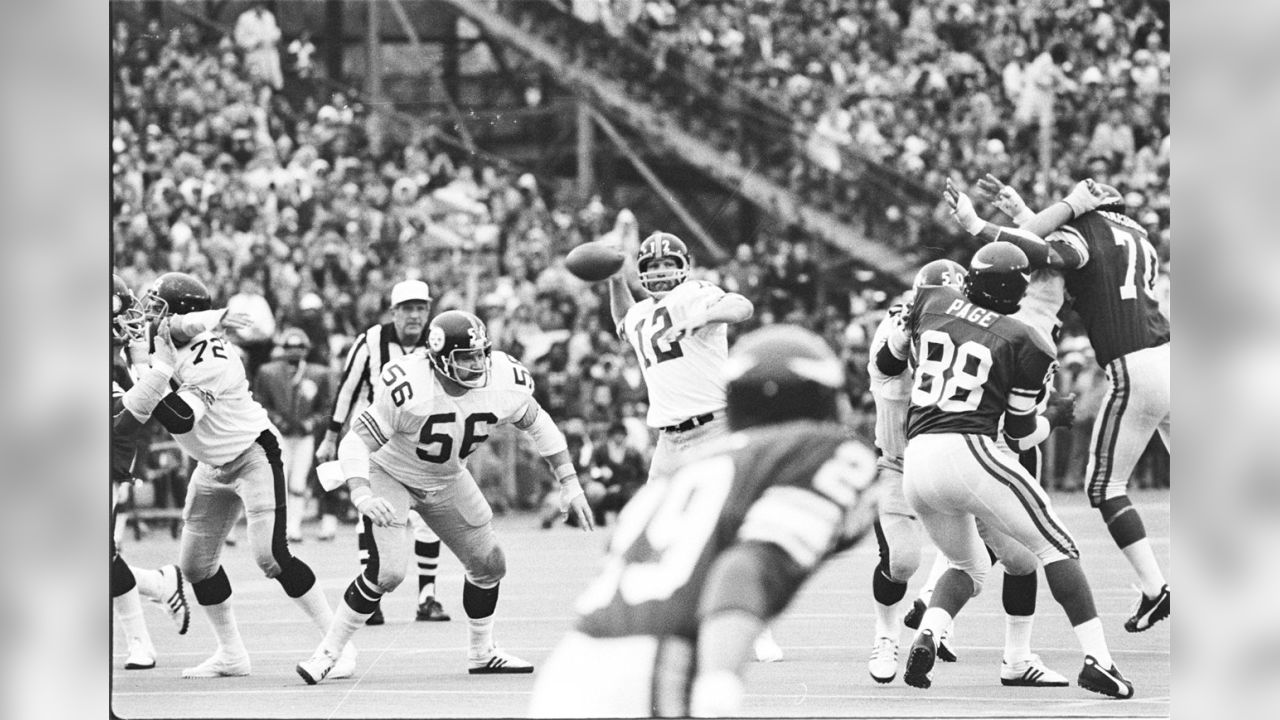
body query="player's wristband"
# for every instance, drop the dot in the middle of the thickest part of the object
(335, 427)
(360, 494)
(565, 472)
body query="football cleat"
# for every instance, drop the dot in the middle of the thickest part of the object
(947, 653)
(1030, 673)
(317, 667)
(345, 666)
(497, 662)
(915, 614)
(431, 610)
(175, 603)
(1148, 611)
(376, 618)
(920, 661)
(883, 664)
(141, 657)
(1107, 681)
(219, 665)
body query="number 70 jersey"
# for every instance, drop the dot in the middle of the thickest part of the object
(801, 486)
(685, 377)
(427, 434)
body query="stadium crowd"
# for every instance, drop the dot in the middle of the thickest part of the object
(275, 199)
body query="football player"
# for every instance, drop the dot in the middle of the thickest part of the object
(130, 584)
(407, 452)
(1109, 268)
(704, 558)
(898, 530)
(197, 390)
(680, 336)
(369, 355)
(974, 367)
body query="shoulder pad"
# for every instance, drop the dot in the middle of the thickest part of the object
(507, 373)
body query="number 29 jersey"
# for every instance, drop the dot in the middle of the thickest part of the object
(427, 434)
(800, 486)
(970, 364)
(685, 377)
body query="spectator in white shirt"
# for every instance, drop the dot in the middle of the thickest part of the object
(258, 36)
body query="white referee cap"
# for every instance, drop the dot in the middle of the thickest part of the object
(407, 290)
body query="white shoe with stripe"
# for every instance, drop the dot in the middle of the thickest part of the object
(497, 662)
(175, 602)
(1030, 673)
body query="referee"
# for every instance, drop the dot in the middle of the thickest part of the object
(374, 348)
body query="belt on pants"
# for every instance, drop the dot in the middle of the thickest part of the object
(691, 423)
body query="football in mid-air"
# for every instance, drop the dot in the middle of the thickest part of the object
(595, 260)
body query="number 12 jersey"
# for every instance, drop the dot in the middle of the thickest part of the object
(685, 377)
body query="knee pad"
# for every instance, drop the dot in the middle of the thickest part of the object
(899, 547)
(122, 580)
(491, 570)
(296, 577)
(213, 589)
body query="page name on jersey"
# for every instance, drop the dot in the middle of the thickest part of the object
(966, 310)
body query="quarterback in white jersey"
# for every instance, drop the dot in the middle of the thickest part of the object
(199, 393)
(409, 450)
(680, 336)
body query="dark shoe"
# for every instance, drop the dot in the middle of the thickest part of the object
(915, 614)
(1104, 681)
(920, 661)
(432, 611)
(376, 618)
(1149, 611)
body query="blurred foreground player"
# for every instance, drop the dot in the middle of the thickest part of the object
(703, 559)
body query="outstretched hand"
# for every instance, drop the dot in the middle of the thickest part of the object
(962, 210)
(1003, 197)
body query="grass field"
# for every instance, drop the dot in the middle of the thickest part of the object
(413, 669)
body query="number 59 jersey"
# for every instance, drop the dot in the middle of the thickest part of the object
(427, 434)
(970, 363)
(801, 486)
(685, 377)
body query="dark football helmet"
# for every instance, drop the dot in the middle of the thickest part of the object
(458, 347)
(780, 373)
(127, 324)
(175, 293)
(998, 276)
(658, 246)
(940, 272)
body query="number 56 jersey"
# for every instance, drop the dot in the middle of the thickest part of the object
(970, 363)
(801, 486)
(427, 434)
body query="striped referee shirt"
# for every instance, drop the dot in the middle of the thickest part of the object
(372, 350)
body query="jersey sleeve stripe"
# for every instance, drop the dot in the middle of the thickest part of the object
(372, 426)
(799, 521)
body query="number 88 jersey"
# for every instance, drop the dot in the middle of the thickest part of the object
(971, 364)
(427, 434)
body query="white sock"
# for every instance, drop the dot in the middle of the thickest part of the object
(223, 619)
(314, 604)
(937, 620)
(150, 583)
(427, 590)
(345, 623)
(888, 620)
(1017, 637)
(128, 609)
(940, 565)
(481, 635)
(1093, 641)
(1143, 560)
(328, 525)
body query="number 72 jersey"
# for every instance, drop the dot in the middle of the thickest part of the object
(801, 486)
(427, 434)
